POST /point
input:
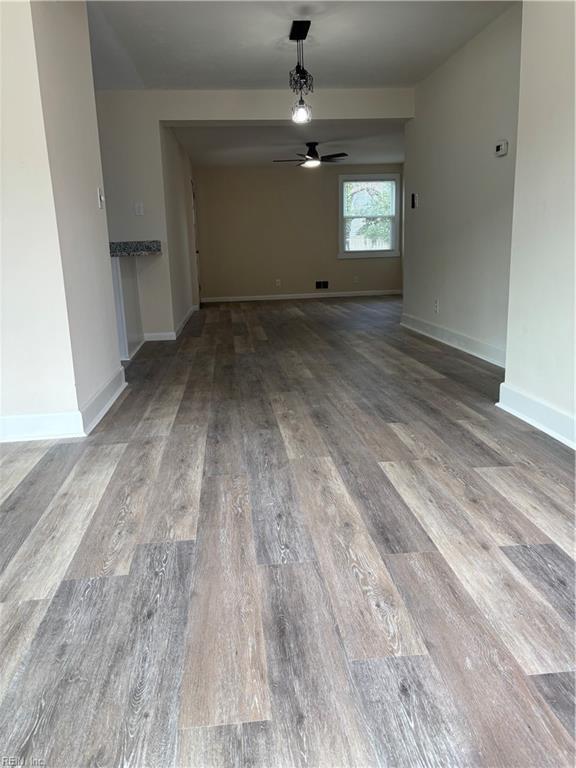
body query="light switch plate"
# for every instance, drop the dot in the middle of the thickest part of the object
(501, 148)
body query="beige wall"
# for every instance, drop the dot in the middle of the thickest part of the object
(130, 138)
(192, 224)
(177, 193)
(539, 384)
(262, 224)
(457, 242)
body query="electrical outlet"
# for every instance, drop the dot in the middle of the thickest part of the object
(501, 148)
(139, 208)
(436, 306)
(278, 282)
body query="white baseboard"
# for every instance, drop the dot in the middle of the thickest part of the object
(287, 296)
(100, 403)
(491, 354)
(554, 422)
(171, 335)
(187, 316)
(133, 353)
(41, 426)
(160, 336)
(56, 426)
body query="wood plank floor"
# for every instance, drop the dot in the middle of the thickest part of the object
(303, 538)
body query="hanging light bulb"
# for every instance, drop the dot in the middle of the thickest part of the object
(301, 112)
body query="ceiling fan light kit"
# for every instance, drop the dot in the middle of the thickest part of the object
(301, 81)
(311, 158)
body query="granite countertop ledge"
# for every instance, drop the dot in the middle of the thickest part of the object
(135, 248)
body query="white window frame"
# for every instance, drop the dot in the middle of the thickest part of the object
(393, 252)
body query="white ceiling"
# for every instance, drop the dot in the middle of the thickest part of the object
(258, 143)
(220, 45)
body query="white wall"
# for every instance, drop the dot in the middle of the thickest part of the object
(66, 84)
(37, 374)
(131, 298)
(60, 361)
(131, 144)
(457, 242)
(177, 186)
(539, 384)
(132, 165)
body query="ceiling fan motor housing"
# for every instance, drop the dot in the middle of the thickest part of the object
(312, 151)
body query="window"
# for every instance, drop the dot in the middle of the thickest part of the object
(369, 216)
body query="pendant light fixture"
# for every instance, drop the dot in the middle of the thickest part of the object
(301, 112)
(301, 81)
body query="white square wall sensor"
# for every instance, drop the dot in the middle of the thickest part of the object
(501, 148)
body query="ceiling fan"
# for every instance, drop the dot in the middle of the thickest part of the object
(312, 159)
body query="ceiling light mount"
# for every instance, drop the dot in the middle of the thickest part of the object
(300, 80)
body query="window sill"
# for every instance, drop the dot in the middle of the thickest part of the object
(369, 255)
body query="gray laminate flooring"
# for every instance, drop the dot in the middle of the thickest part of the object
(304, 537)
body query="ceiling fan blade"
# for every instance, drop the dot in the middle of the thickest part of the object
(335, 156)
(294, 160)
